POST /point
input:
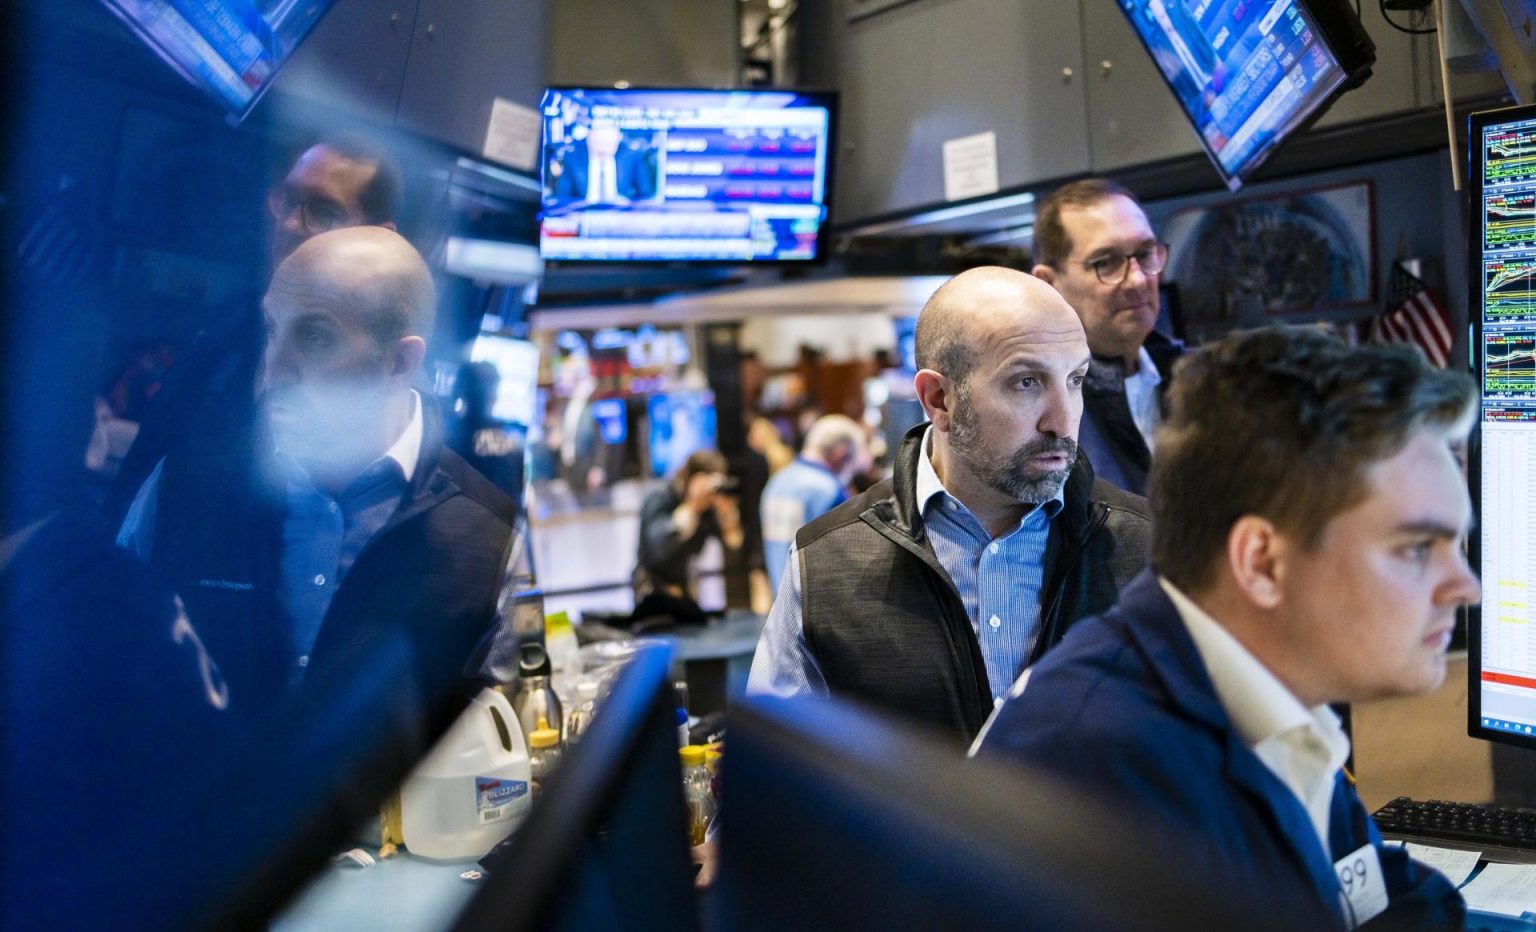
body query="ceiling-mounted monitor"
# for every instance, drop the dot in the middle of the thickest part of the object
(231, 49)
(649, 175)
(1250, 73)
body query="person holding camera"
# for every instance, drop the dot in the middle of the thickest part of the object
(678, 519)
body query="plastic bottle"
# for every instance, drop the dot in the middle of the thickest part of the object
(564, 654)
(535, 698)
(696, 793)
(472, 789)
(580, 718)
(544, 754)
(712, 753)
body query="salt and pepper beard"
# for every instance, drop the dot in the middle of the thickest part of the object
(1012, 476)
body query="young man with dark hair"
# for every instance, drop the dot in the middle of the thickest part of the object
(1094, 244)
(1309, 513)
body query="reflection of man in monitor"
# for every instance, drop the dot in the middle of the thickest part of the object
(605, 166)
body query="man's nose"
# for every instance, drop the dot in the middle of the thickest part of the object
(1059, 416)
(1463, 588)
(276, 367)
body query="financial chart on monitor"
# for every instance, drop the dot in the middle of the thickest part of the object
(1507, 244)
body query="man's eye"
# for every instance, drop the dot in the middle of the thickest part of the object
(1076, 381)
(1418, 551)
(1026, 381)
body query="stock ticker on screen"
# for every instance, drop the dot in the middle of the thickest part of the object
(1510, 363)
(1509, 154)
(684, 175)
(1246, 74)
(1509, 220)
(1506, 665)
(1509, 289)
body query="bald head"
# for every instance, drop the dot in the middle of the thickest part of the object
(969, 310)
(369, 271)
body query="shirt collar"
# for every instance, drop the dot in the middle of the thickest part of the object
(1260, 706)
(928, 485)
(1146, 369)
(407, 448)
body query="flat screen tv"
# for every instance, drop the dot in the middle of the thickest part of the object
(1250, 73)
(647, 175)
(231, 49)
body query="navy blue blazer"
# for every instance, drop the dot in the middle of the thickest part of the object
(1124, 707)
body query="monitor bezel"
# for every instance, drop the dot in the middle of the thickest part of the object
(1476, 124)
(830, 99)
(234, 115)
(1334, 30)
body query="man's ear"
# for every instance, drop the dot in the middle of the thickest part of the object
(388, 225)
(1045, 273)
(1255, 558)
(936, 393)
(406, 359)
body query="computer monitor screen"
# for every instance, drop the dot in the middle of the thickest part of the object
(1249, 74)
(835, 819)
(231, 49)
(681, 422)
(517, 368)
(1502, 646)
(637, 175)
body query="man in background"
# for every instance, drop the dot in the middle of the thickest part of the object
(1309, 514)
(1093, 243)
(926, 595)
(342, 181)
(353, 526)
(810, 486)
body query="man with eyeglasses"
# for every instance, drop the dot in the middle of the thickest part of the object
(1093, 243)
(344, 181)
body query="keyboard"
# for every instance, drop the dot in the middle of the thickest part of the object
(1502, 833)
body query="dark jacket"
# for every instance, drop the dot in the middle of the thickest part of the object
(1126, 709)
(885, 623)
(1108, 433)
(425, 586)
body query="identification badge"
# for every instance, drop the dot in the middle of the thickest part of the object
(1362, 885)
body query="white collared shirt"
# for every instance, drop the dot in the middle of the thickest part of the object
(1302, 747)
(407, 447)
(1141, 396)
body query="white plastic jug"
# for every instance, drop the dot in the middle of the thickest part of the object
(472, 789)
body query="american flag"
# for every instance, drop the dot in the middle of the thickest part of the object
(1416, 317)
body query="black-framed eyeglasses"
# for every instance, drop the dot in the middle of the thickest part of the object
(315, 216)
(1112, 268)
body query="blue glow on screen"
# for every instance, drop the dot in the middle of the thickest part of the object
(668, 175)
(1247, 72)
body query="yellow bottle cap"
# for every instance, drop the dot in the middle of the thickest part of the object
(543, 736)
(692, 755)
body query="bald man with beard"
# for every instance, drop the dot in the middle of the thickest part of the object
(357, 530)
(927, 595)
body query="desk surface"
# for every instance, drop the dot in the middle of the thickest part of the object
(395, 895)
(735, 635)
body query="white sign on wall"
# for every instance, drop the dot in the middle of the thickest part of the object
(512, 138)
(970, 166)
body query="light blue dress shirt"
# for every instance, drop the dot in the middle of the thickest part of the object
(795, 495)
(999, 582)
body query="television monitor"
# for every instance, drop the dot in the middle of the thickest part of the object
(1248, 75)
(646, 175)
(517, 366)
(231, 49)
(680, 423)
(835, 819)
(1501, 648)
(605, 846)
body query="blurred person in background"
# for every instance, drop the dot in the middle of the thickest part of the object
(676, 521)
(813, 484)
